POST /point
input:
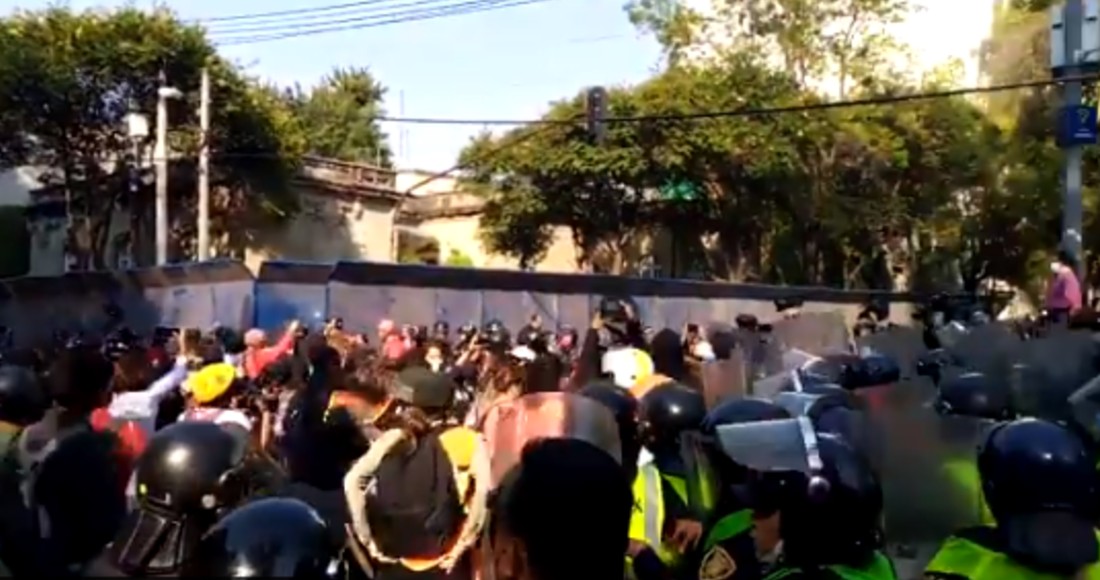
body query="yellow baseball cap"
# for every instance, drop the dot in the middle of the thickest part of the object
(211, 382)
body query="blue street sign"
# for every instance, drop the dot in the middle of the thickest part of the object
(1077, 126)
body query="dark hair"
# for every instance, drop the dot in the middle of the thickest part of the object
(79, 379)
(1067, 259)
(558, 483)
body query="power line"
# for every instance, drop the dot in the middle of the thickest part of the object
(468, 7)
(377, 8)
(287, 12)
(762, 111)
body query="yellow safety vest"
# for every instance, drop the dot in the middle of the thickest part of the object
(731, 525)
(647, 519)
(971, 560)
(964, 473)
(879, 569)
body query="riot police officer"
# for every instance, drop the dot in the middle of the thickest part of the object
(1039, 481)
(674, 490)
(268, 538)
(830, 508)
(624, 407)
(189, 474)
(728, 549)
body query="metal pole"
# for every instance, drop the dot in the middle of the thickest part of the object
(204, 169)
(160, 159)
(1072, 211)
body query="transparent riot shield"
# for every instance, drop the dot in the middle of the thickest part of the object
(510, 426)
(787, 375)
(927, 464)
(991, 349)
(1049, 370)
(771, 446)
(725, 379)
(817, 332)
(1085, 406)
(905, 346)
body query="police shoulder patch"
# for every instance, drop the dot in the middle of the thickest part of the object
(717, 565)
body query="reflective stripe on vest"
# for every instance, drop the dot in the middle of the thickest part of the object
(879, 569)
(968, 559)
(647, 519)
(728, 527)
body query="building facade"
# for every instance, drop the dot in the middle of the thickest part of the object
(348, 212)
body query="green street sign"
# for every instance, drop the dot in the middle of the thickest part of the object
(679, 191)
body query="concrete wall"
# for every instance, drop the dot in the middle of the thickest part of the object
(330, 229)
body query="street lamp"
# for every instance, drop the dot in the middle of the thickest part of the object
(160, 157)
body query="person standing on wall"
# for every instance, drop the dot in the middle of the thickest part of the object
(1064, 295)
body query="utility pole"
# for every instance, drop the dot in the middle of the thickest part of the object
(1072, 210)
(204, 169)
(1075, 48)
(160, 158)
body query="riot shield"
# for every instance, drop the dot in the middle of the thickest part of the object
(786, 375)
(990, 349)
(816, 332)
(904, 345)
(771, 446)
(927, 464)
(510, 426)
(1049, 370)
(725, 379)
(1085, 406)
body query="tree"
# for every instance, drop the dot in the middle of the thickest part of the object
(340, 117)
(69, 79)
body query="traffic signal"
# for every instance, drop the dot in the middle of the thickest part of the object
(595, 106)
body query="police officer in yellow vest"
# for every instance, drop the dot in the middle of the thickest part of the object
(728, 548)
(674, 489)
(830, 513)
(1040, 484)
(978, 396)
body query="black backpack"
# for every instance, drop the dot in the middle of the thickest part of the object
(413, 506)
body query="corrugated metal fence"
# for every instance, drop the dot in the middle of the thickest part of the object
(226, 292)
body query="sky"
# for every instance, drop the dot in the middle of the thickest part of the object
(504, 64)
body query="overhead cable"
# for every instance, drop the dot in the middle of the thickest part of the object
(396, 17)
(884, 100)
(379, 8)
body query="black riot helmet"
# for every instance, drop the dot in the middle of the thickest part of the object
(528, 335)
(268, 538)
(495, 334)
(1031, 465)
(624, 407)
(667, 411)
(466, 332)
(874, 370)
(189, 473)
(23, 400)
(974, 395)
(834, 515)
(746, 322)
(190, 466)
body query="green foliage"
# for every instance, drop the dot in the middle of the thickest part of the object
(67, 81)
(340, 114)
(854, 197)
(457, 259)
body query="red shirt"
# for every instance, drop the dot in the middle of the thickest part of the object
(256, 360)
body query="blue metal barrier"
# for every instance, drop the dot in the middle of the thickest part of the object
(362, 293)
